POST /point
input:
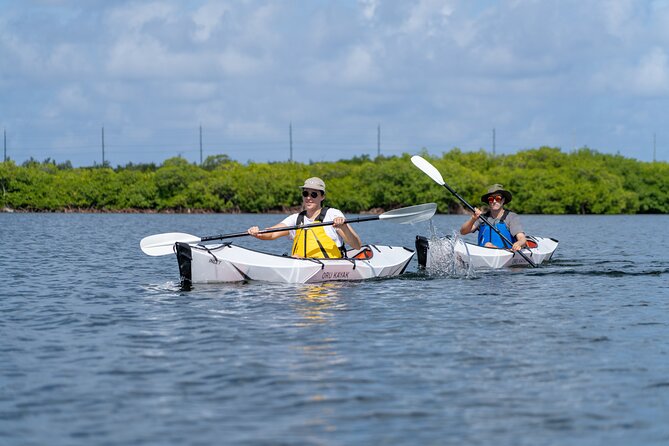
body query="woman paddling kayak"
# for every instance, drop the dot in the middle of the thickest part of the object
(319, 242)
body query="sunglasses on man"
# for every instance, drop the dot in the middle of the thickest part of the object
(306, 193)
(497, 198)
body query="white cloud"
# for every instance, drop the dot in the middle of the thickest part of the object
(619, 16)
(263, 26)
(651, 76)
(134, 16)
(69, 100)
(426, 16)
(194, 91)
(19, 54)
(69, 59)
(236, 63)
(207, 19)
(143, 56)
(358, 67)
(355, 67)
(73, 98)
(369, 8)
(638, 77)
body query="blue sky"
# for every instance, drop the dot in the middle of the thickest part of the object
(432, 74)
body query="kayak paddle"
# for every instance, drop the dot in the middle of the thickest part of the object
(162, 244)
(433, 173)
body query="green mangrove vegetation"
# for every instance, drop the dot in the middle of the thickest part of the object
(543, 181)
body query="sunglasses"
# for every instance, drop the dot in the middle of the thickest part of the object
(497, 198)
(306, 194)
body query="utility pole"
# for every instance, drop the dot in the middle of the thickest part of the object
(493, 141)
(290, 135)
(200, 144)
(378, 141)
(4, 159)
(103, 146)
(654, 146)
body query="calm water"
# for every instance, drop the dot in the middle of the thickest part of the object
(99, 345)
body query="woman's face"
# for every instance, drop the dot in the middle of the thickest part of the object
(312, 198)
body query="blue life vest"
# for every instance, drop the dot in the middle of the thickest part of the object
(486, 233)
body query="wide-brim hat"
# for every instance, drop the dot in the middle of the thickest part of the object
(314, 183)
(497, 189)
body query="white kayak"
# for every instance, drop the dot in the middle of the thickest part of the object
(540, 250)
(230, 263)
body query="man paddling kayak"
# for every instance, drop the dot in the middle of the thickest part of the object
(507, 222)
(318, 242)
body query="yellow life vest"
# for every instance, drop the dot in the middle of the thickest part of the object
(314, 242)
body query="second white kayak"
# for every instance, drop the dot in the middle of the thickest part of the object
(540, 250)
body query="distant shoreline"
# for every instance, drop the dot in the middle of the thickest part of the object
(543, 181)
(8, 210)
(375, 211)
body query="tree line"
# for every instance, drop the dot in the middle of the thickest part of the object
(543, 181)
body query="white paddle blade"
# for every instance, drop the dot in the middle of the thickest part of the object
(411, 214)
(163, 244)
(428, 168)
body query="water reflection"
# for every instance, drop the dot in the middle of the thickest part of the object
(317, 305)
(318, 346)
(316, 302)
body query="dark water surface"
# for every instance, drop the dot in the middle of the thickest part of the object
(99, 345)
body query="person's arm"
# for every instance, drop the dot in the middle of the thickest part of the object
(521, 241)
(254, 231)
(347, 233)
(516, 228)
(468, 226)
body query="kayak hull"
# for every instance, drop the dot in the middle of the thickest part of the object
(230, 263)
(541, 251)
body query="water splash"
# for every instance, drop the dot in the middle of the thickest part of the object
(443, 261)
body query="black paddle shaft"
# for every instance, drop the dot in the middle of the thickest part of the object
(485, 220)
(287, 228)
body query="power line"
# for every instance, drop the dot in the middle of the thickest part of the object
(128, 144)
